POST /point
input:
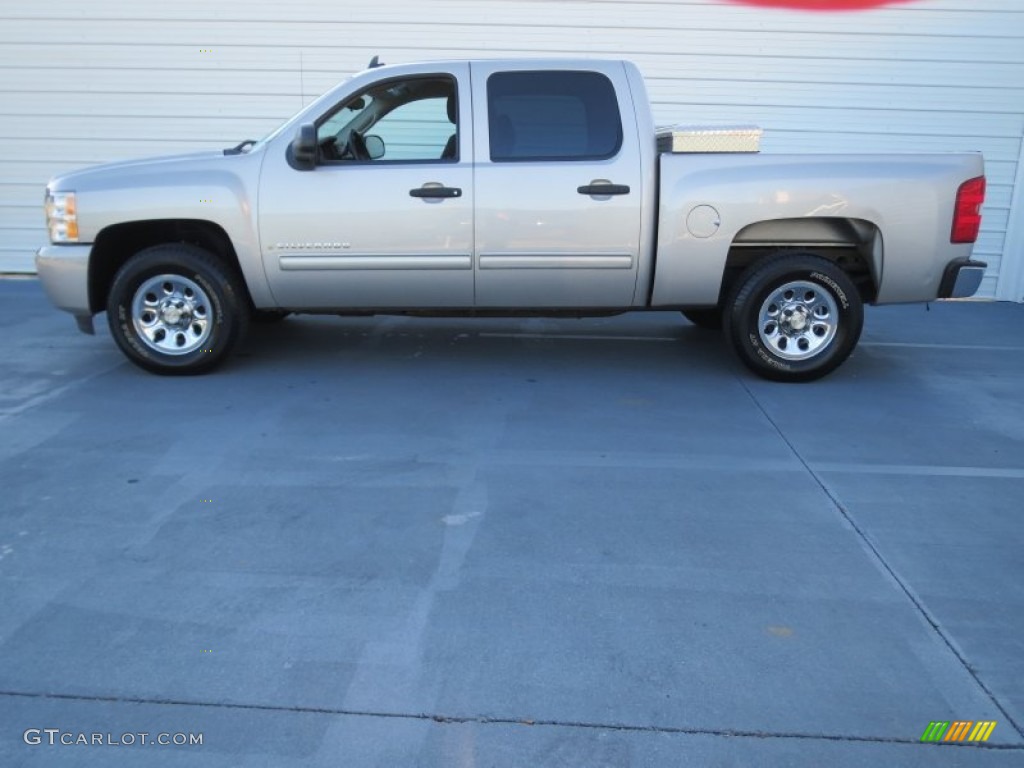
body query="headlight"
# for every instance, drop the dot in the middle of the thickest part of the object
(62, 217)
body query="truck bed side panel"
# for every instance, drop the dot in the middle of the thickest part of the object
(705, 200)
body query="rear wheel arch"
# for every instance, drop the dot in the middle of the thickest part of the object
(853, 245)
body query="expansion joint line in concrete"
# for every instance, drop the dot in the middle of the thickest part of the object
(518, 721)
(877, 555)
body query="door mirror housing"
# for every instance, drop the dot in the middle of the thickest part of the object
(302, 150)
(374, 146)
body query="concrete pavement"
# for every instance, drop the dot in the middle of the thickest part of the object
(383, 541)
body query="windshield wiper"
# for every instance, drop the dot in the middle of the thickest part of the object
(237, 150)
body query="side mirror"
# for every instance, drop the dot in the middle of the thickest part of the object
(374, 146)
(302, 150)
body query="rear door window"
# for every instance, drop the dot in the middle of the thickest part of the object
(552, 115)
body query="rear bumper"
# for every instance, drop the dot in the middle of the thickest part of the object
(64, 272)
(961, 279)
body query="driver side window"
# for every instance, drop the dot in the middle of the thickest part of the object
(408, 120)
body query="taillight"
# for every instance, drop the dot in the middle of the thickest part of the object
(967, 216)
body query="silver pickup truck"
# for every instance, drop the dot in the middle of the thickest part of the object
(507, 188)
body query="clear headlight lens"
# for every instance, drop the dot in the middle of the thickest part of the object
(62, 217)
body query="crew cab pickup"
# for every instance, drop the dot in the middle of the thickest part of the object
(508, 187)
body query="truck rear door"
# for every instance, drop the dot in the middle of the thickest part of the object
(558, 186)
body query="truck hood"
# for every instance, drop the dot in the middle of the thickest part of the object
(129, 172)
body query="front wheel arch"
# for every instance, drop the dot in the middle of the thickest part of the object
(117, 243)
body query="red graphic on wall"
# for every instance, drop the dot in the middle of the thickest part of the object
(823, 5)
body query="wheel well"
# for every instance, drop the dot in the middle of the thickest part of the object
(852, 245)
(119, 242)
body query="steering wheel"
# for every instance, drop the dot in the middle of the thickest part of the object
(357, 146)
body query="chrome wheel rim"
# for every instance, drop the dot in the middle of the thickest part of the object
(171, 314)
(798, 320)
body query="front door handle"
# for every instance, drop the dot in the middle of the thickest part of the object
(436, 192)
(603, 189)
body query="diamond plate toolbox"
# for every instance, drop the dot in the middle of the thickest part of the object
(686, 138)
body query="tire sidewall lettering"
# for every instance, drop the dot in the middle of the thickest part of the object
(214, 293)
(765, 355)
(772, 361)
(128, 332)
(831, 284)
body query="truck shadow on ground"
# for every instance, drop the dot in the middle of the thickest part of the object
(343, 343)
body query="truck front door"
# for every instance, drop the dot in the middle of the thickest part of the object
(384, 219)
(558, 187)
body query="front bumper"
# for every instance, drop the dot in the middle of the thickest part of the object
(64, 272)
(961, 279)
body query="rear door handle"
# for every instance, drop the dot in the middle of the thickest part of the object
(436, 192)
(603, 189)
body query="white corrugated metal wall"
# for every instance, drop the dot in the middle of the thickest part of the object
(112, 79)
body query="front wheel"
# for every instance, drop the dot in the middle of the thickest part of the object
(794, 317)
(176, 309)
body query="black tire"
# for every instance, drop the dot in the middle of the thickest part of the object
(157, 334)
(709, 319)
(824, 323)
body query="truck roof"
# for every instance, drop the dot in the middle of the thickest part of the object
(560, 62)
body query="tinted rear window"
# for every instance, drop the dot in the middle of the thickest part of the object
(554, 115)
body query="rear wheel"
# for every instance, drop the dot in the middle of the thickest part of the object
(794, 317)
(709, 319)
(176, 309)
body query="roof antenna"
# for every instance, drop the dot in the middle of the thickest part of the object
(375, 62)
